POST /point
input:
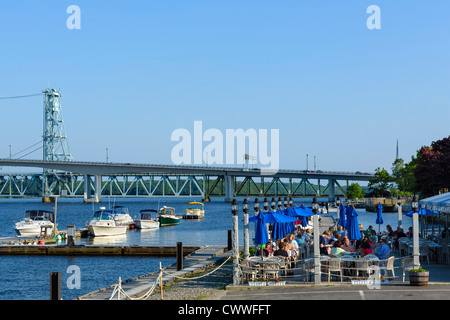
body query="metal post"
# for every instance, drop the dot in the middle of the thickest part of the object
(416, 253)
(317, 274)
(55, 285)
(70, 236)
(235, 243)
(246, 231)
(179, 256)
(400, 216)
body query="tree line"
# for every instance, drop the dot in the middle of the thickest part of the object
(427, 173)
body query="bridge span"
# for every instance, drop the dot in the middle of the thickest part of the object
(74, 179)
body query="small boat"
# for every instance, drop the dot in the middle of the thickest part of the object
(146, 221)
(196, 212)
(122, 216)
(103, 224)
(33, 221)
(167, 217)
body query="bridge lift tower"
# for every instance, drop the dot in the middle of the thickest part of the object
(55, 145)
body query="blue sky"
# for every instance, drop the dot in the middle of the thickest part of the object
(138, 70)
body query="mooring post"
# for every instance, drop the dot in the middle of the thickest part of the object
(179, 256)
(70, 236)
(55, 285)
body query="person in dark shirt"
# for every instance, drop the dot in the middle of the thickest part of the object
(281, 251)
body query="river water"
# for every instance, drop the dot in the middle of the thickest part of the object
(28, 277)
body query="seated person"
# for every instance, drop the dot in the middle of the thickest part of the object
(337, 250)
(346, 245)
(281, 251)
(373, 237)
(365, 249)
(265, 251)
(384, 250)
(323, 243)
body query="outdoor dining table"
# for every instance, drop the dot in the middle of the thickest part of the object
(259, 263)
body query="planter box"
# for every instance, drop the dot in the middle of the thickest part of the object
(279, 283)
(371, 282)
(419, 278)
(257, 283)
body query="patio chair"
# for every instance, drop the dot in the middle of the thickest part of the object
(435, 253)
(283, 265)
(407, 264)
(362, 264)
(249, 273)
(308, 269)
(403, 246)
(334, 265)
(271, 269)
(424, 252)
(387, 265)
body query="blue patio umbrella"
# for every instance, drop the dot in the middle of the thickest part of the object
(341, 221)
(261, 236)
(379, 220)
(271, 217)
(304, 213)
(348, 212)
(353, 231)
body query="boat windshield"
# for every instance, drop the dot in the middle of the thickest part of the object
(167, 210)
(101, 215)
(39, 215)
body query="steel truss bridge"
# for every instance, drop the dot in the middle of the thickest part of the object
(92, 181)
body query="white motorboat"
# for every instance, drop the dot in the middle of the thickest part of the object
(122, 216)
(147, 221)
(195, 212)
(103, 224)
(34, 221)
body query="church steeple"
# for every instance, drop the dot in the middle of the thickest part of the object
(396, 154)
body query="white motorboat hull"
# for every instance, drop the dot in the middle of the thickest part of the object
(101, 231)
(27, 229)
(147, 224)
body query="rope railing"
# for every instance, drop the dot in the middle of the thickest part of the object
(118, 290)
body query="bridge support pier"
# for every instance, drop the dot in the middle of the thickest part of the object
(229, 189)
(96, 198)
(331, 193)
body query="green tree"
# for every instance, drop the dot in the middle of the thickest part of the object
(381, 183)
(403, 174)
(355, 191)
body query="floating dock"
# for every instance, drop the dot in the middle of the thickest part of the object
(92, 250)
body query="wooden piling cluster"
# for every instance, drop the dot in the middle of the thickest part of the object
(80, 250)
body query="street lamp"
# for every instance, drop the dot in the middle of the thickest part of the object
(234, 211)
(285, 202)
(273, 204)
(399, 206)
(291, 202)
(245, 206)
(416, 254)
(280, 202)
(266, 204)
(234, 207)
(317, 275)
(315, 205)
(256, 206)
